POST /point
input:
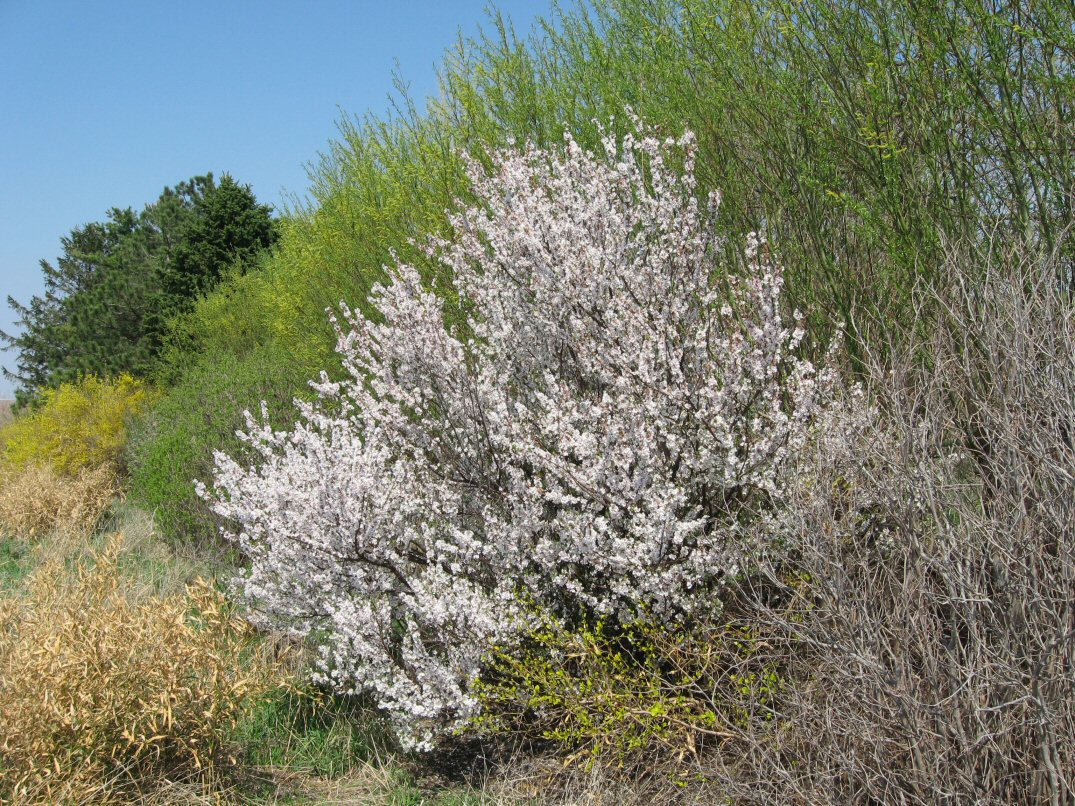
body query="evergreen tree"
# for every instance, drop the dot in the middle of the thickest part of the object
(109, 296)
(47, 342)
(230, 226)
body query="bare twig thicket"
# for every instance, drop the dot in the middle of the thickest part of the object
(929, 633)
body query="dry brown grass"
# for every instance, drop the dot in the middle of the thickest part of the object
(35, 501)
(5, 411)
(103, 700)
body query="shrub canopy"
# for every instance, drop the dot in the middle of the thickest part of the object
(599, 438)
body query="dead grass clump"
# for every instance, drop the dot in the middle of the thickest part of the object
(99, 696)
(36, 500)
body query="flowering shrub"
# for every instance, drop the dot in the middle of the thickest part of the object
(628, 694)
(78, 426)
(615, 418)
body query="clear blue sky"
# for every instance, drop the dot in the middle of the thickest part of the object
(103, 104)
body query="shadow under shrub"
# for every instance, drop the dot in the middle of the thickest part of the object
(309, 731)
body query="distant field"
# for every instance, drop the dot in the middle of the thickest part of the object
(5, 410)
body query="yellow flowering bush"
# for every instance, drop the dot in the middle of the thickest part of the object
(624, 694)
(77, 426)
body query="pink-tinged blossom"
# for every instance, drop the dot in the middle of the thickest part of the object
(621, 414)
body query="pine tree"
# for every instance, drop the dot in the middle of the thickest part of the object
(110, 294)
(230, 227)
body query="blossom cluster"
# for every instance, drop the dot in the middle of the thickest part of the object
(619, 411)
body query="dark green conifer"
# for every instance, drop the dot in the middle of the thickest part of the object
(110, 294)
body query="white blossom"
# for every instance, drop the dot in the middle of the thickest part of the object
(621, 410)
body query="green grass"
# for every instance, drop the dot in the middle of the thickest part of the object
(306, 732)
(16, 561)
(337, 745)
(148, 565)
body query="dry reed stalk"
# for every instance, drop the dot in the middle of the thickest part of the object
(35, 501)
(101, 697)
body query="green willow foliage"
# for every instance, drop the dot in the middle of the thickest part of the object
(860, 136)
(174, 443)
